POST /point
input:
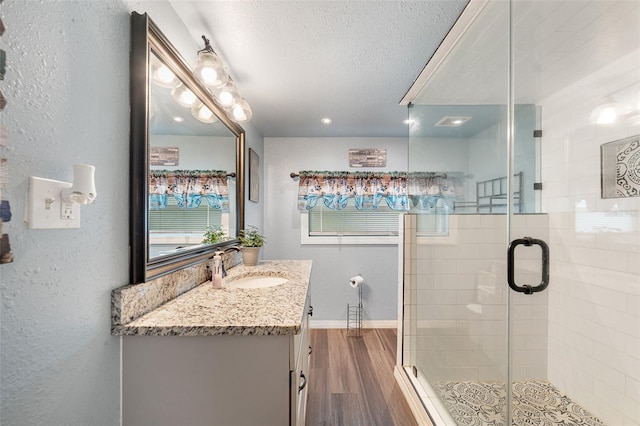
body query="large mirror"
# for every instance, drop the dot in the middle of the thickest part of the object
(186, 160)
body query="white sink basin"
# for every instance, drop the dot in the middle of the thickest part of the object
(257, 282)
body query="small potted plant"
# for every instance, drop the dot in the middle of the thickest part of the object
(214, 234)
(250, 243)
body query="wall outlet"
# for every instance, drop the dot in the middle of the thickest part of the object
(45, 207)
(66, 210)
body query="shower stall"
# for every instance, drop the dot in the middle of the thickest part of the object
(520, 286)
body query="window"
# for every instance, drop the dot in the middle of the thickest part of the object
(322, 225)
(181, 225)
(349, 226)
(350, 221)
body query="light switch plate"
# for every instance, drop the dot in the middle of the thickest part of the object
(45, 208)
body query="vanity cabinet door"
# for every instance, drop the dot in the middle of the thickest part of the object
(300, 373)
(206, 380)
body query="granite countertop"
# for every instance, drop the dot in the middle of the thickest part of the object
(205, 311)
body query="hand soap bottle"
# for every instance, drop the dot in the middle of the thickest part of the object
(216, 271)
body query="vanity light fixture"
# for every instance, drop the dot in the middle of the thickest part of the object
(209, 68)
(183, 96)
(202, 113)
(53, 204)
(241, 112)
(227, 95)
(212, 73)
(162, 75)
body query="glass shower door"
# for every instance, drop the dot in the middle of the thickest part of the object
(523, 306)
(456, 335)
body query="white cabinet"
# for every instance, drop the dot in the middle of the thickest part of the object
(300, 372)
(216, 380)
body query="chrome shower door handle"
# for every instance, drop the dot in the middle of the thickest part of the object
(527, 289)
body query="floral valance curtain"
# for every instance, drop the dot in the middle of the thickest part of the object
(427, 188)
(369, 189)
(188, 187)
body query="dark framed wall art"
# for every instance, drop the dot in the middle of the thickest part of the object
(620, 168)
(254, 176)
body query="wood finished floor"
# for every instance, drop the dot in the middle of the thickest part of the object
(351, 380)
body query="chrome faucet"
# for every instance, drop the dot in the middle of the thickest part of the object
(228, 249)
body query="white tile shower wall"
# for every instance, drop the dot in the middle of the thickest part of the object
(594, 303)
(456, 295)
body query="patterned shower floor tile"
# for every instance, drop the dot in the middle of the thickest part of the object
(535, 403)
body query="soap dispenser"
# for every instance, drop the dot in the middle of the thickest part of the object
(216, 271)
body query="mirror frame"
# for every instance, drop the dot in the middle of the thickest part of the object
(145, 38)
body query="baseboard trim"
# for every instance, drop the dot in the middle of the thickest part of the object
(412, 398)
(343, 324)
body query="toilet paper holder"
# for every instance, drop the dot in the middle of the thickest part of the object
(354, 313)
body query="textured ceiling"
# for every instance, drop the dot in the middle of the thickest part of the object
(299, 61)
(556, 43)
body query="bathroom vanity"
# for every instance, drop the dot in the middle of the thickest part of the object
(231, 356)
(191, 354)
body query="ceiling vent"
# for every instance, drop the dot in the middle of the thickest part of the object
(452, 121)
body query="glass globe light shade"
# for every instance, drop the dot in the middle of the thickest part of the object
(227, 95)
(202, 113)
(163, 76)
(210, 70)
(183, 96)
(241, 112)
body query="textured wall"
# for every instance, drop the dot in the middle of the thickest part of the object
(67, 88)
(67, 92)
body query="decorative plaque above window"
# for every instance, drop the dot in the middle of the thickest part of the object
(368, 157)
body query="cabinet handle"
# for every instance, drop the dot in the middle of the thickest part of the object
(310, 310)
(310, 350)
(304, 382)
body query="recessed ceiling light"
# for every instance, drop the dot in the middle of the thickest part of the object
(452, 121)
(326, 120)
(178, 119)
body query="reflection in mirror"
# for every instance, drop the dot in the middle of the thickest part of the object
(187, 160)
(191, 155)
